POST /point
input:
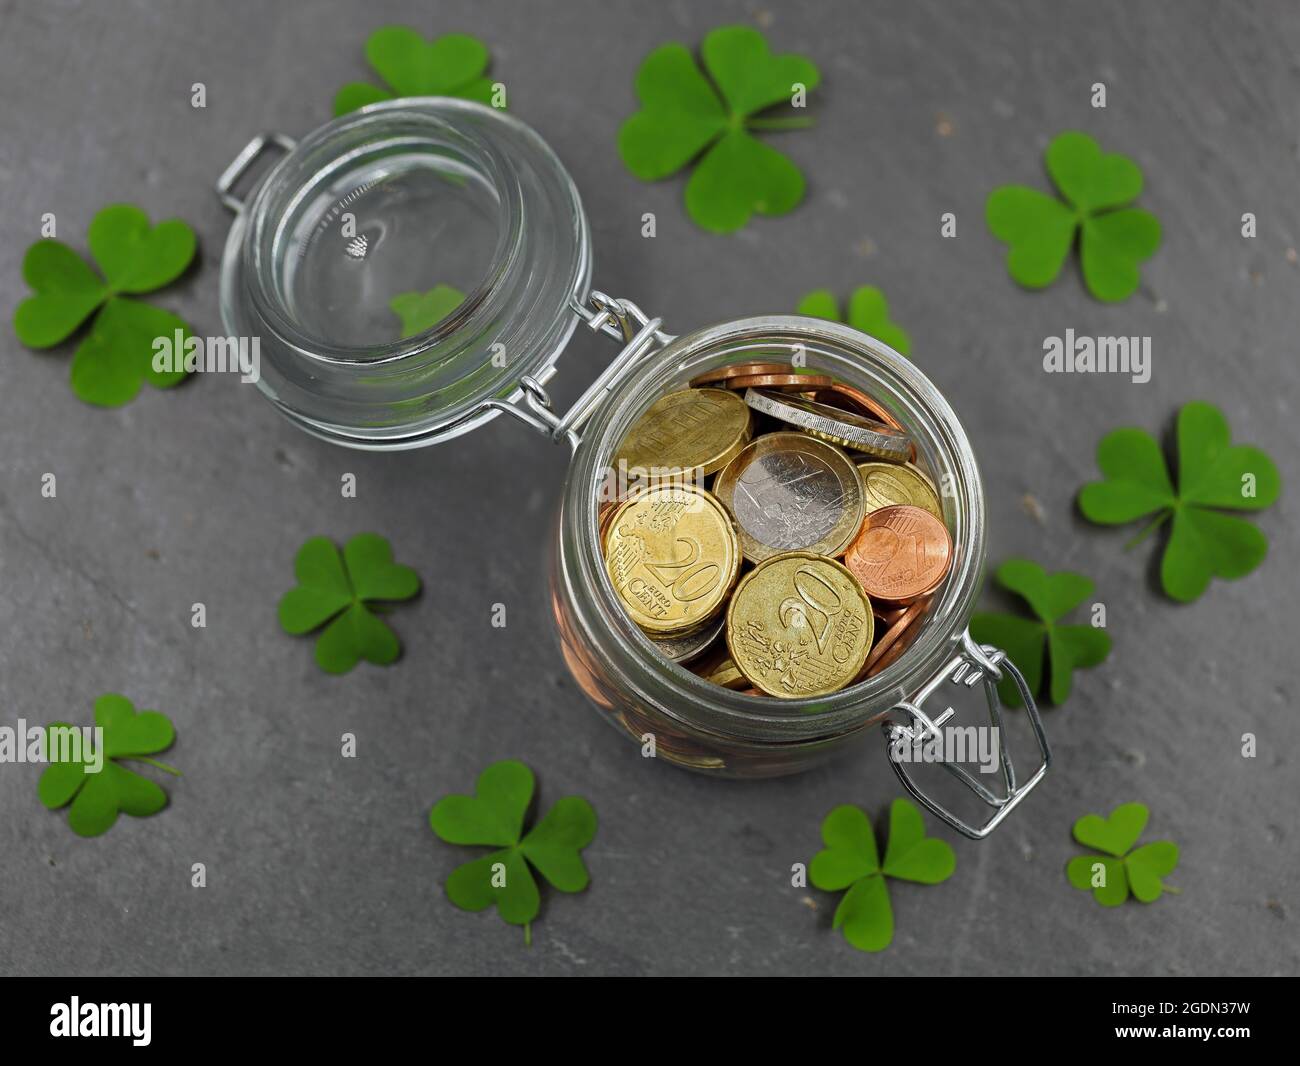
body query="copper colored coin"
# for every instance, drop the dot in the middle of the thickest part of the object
(793, 382)
(901, 645)
(724, 374)
(891, 643)
(888, 615)
(846, 397)
(603, 518)
(901, 553)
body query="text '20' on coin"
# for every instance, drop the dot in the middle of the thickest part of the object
(799, 625)
(696, 431)
(791, 492)
(672, 556)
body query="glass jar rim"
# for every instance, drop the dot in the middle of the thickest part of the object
(445, 380)
(731, 712)
(273, 202)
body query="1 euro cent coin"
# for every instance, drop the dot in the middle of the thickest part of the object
(903, 552)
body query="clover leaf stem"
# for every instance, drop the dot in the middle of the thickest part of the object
(1151, 528)
(155, 763)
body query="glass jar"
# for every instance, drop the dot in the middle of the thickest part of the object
(413, 175)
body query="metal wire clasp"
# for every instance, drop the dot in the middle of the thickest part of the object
(905, 723)
(240, 164)
(619, 319)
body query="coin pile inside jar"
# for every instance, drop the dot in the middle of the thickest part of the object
(780, 537)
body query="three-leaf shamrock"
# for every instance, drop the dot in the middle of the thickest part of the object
(342, 588)
(411, 66)
(117, 355)
(868, 312)
(1113, 875)
(494, 817)
(1212, 473)
(850, 861)
(99, 795)
(1068, 647)
(684, 116)
(1113, 239)
(423, 310)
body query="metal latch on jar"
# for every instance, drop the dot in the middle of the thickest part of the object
(619, 319)
(240, 164)
(907, 724)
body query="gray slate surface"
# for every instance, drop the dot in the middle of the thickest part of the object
(322, 865)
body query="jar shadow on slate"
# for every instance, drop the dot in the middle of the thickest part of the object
(772, 532)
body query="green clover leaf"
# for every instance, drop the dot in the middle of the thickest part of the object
(116, 357)
(98, 796)
(849, 861)
(1212, 475)
(411, 66)
(135, 257)
(684, 116)
(1119, 871)
(1068, 647)
(424, 310)
(1113, 239)
(66, 292)
(106, 367)
(339, 590)
(494, 817)
(868, 312)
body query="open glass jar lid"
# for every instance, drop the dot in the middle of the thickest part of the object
(404, 268)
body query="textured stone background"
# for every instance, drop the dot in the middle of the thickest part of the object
(322, 865)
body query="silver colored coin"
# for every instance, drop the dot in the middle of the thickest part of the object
(827, 423)
(792, 492)
(684, 649)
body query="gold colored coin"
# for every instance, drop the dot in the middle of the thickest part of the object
(697, 430)
(885, 484)
(673, 556)
(799, 625)
(722, 670)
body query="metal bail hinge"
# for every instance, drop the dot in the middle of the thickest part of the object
(908, 728)
(619, 319)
